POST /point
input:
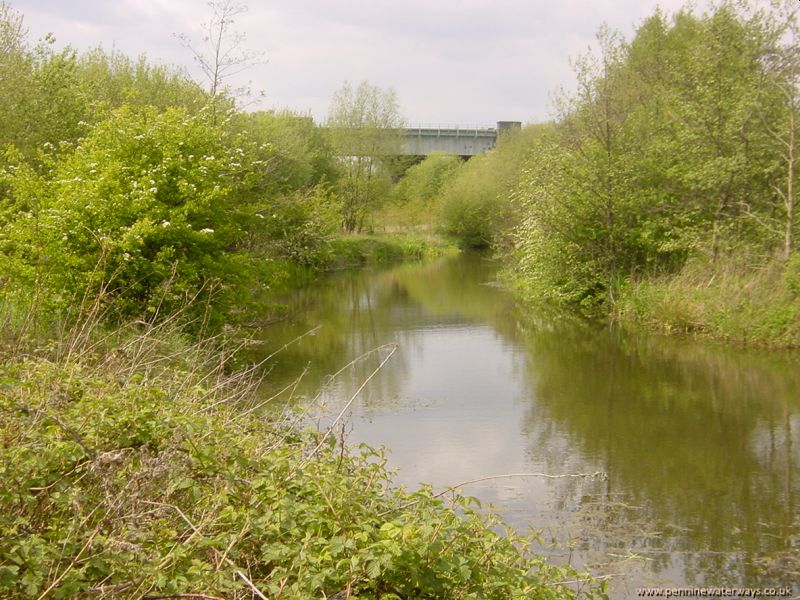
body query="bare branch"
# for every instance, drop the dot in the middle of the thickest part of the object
(221, 53)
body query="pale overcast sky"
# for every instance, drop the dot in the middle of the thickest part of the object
(467, 62)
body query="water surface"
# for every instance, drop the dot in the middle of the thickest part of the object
(698, 441)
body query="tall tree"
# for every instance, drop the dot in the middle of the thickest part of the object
(16, 75)
(660, 153)
(780, 113)
(365, 125)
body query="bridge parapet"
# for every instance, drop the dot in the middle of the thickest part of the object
(453, 139)
(421, 141)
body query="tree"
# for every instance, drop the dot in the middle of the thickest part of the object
(222, 54)
(365, 126)
(781, 103)
(143, 213)
(110, 79)
(16, 75)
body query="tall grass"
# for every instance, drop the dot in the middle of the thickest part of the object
(745, 298)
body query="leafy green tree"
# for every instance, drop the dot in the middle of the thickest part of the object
(660, 154)
(474, 204)
(16, 76)
(715, 131)
(780, 111)
(297, 153)
(414, 198)
(108, 80)
(424, 180)
(365, 126)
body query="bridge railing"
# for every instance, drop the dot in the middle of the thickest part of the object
(450, 131)
(452, 126)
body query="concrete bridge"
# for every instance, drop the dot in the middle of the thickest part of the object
(464, 142)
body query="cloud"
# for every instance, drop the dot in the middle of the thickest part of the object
(468, 62)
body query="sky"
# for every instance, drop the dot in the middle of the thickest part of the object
(451, 62)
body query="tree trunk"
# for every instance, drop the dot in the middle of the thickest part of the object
(789, 231)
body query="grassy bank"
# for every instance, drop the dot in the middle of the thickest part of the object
(742, 299)
(134, 466)
(361, 250)
(355, 252)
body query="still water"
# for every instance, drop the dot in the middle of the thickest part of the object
(699, 443)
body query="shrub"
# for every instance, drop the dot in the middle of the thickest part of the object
(471, 205)
(141, 208)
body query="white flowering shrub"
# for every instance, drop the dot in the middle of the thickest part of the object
(142, 210)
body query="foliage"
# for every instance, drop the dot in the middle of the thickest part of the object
(109, 80)
(414, 197)
(474, 203)
(665, 152)
(20, 77)
(424, 180)
(141, 209)
(297, 153)
(364, 125)
(741, 298)
(131, 468)
(53, 97)
(359, 250)
(297, 227)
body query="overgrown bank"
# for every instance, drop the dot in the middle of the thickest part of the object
(746, 300)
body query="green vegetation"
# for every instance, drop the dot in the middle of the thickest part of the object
(132, 467)
(467, 201)
(475, 204)
(737, 298)
(414, 200)
(359, 250)
(141, 218)
(143, 209)
(364, 124)
(665, 192)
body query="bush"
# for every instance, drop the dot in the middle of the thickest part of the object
(297, 227)
(140, 211)
(424, 180)
(471, 206)
(475, 202)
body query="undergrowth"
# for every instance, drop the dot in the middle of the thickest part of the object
(360, 250)
(744, 298)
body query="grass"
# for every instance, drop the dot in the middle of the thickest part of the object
(742, 298)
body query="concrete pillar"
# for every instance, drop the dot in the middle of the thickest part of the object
(503, 126)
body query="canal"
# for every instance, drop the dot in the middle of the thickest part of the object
(671, 462)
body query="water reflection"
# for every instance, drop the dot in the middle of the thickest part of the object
(699, 441)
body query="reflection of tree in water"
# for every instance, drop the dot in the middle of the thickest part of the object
(699, 441)
(359, 311)
(355, 313)
(702, 438)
